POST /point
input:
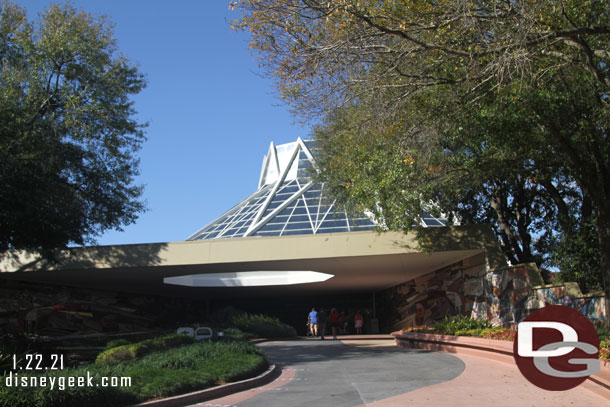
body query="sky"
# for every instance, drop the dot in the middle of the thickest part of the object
(211, 114)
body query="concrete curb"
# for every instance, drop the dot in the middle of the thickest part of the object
(215, 392)
(501, 351)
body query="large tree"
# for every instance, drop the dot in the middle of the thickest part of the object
(503, 102)
(68, 132)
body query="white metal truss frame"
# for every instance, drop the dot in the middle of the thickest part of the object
(225, 215)
(260, 220)
(270, 159)
(276, 208)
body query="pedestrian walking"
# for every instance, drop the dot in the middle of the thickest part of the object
(322, 319)
(358, 322)
(333, 321)
(312, 318)
(343, 323)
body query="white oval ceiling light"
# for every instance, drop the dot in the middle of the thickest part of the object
(248, 279)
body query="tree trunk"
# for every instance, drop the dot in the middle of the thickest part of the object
(603, 227)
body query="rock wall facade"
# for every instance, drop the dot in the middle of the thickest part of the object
(502, 296)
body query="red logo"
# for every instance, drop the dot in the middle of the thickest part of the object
(556, 348)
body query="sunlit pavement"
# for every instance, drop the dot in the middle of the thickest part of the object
(375, 373)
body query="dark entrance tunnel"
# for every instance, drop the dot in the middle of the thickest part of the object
(293, 310)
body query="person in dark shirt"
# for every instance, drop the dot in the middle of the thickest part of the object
(322, 318)
(343, 323)
(333, 322)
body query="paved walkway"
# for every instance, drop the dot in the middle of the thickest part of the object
(375, 373)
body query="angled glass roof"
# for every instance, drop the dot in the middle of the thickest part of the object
(288, 202)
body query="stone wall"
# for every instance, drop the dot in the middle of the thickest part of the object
(593, 305)
(502, 296)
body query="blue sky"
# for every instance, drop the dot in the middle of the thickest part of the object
(211, 114)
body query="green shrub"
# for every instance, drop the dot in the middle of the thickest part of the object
(604, 344)
(236, 334)
(116, 343)
(603, 333)
(419, 329)
(502, 334)
(137, 350)
(604, 349)
(116, 354)
(17, 345)
(263, 326)
(604, 354)
(450, 324)
(252, 325)
(160, 374)
(468, 332)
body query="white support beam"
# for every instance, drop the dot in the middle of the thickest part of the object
(272, 193)
(280, 208)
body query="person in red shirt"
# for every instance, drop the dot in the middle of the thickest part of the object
(333, 320)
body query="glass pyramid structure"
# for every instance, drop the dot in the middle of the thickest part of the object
(288, 202)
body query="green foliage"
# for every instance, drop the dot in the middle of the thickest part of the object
(604, 344)
(450, 325)
(419, 329)
(13, 345)
(253, 325)
(263, 326)
(491, 112)
(137, 350)
(236, 334)
(68, 133)
(500, 334)
(603, 334)
(460, 325)
(604, 354)
(159, 374)
(468, 332)
(117, 342)
(576, 255)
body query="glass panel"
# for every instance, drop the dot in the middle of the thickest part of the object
(272, 226)
(332, 230)
(298, 225)
(297, 232)
(267, 233)
(297, 217)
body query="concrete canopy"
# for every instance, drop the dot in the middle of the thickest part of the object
(359, 261)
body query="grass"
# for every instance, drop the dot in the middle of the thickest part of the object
(160, 373)
(131, 351)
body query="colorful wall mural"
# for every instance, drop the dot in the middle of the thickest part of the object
(502, 296)
(449, 291)
(55, 311)
(569, 294)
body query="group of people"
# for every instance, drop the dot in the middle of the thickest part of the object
(338, 322)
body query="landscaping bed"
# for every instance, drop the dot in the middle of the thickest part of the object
(156, 368)
(460, 325)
